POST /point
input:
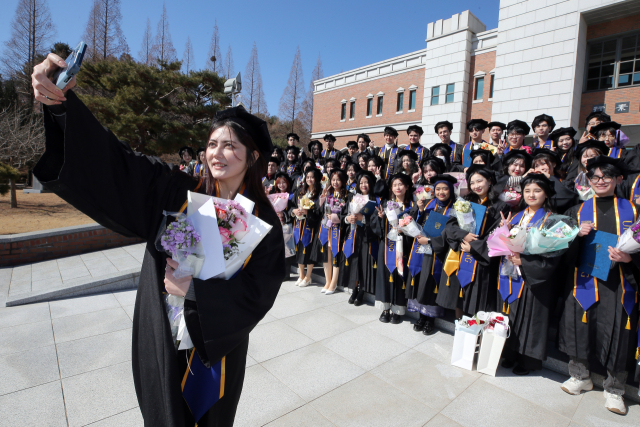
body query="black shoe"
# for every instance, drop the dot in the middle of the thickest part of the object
(519, 370)
(395, 319)
(508, 364)
(354, 294)
(428, 327)
(384, 317)
(359, 298)
(420, 323)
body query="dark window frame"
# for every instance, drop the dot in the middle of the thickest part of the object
(380, 105)
(435, 95)
(611, 59)
(352, 110)
(343, 111)
(369, 107)
(400, 102)
(413, 94)
(478, 93)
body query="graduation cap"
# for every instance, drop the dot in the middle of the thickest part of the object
(188, 150)
(388, 130)
(294, 135)
(479, 124)
(448, 178)
(600, 115)
(488, 155)
(520, 154)
(544, 118)
(313, 144)
(600, 161)
(444, 123)
(482, 170)
(200, 150)
(352, 144)
(285, 176)
(556, 134)
(293, 148)
(520, 125)
(499, 124)
(412, 154)
(274, 159)
(539, 178)
(365, 137)
(255, 126)
(440, 164)
(406, 179)
(415, 128)
(369, 176)
(329, 137)
(442, 146)
(592, 143)
(545, 151)
(604, 126)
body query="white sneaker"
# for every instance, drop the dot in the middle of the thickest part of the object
(614, 403)
(299, 281)
(305, 283)
(575, 386)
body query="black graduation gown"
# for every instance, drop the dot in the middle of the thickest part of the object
(319, 251)
(423, 287)
(390, 288)
(529, 315)
(480, 294)
(304, 254)
(360, 267)
(625, 189)
(565, 197)
(604, 337)
(128, 196)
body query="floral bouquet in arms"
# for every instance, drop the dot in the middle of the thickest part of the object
(583, 187)
(629, 241)
(324, 181)
(410, 228)
(553, 237)
(357, 203)
(511, 193)
(392, 210)
(464, 214)
(423, 193)
(305, 203)
(332, 208)
(506, 242)
(279, 201)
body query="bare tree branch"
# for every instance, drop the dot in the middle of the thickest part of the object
(214, 52)
(228, 64)
(294, 93)
(163, 49)
(103, 34)
(188, 59)
(146, 55)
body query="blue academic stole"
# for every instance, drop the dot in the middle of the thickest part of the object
(332, 154)
(351, 186)
(291, 169)
(466, 154)
(468, 264)
(265, 181)
(391, 165)
(419, 151)
(585, 288)
(415, 259)
(454, 150)
(390, 245)
(547, 144)
(511, 289)
(635, 190)
(302, 232)
(615, 152)
(335, 239)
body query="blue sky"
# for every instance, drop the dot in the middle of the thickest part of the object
(346, 33)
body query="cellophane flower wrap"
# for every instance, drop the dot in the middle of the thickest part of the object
(232, 224)
(409, 227)
(583, 187)
(279, 201)
(461, 187)
(506, 242)
(553, 237)
(423, 192)
(629, 241)
(333, 207)
(392, 211)
(305, 202)
(485, 146)
(465, 215)
(357, 203)
(324, 181)
(511, 194)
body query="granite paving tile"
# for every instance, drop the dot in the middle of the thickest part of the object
(103, 271)
(403, 332)
(438, 346)
(28, 369)
(263, 346)
(30, 313)
(267, 319)
(74, 273)
(20, 287)
(129, 309)
(16, 339)
(46, 285)
(81, 305)
(85, 325)
(93, 256)
(47, 274)
(320, 324)
(41, 406)
(360, 315)
(126, 297)
(592, 413)
(116, 253)
(303, 416)
(130, 418)
(441, 421)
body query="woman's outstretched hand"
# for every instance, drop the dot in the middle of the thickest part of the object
(44, 89)
(175, 286)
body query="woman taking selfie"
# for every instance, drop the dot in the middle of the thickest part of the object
(130, 197)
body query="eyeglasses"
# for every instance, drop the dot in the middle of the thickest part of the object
(596, 179)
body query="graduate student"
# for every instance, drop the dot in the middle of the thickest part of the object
(352, 150)
(593, 119)
(415, 133)
(585, 151)
(283, 184)
(198, 170)
(291, 166)
(548, 163)
(496, 130)
(293, 140)
(542, 126)
(430, 167)
(408, 163)
(129, 198)
(393, 254)
(530, 298)
(425, 270)
(514, 166)
(600, 316)
(363, 141)
(476, 128)
(376, 167)
(563, 140)
(352, 171)
(610, 134)
(306, 224)
(363, 160)
(443, 152)
(360, 247)
(329, 152)
(389, 152)
(187, 161)
(273, 165)
(443, 129)
(468, 282)
(315, 150)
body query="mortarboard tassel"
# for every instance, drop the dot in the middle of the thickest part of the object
(447, 281)
(346, 262)
(504, 307)
(628, 327)
(375, 264)
(322, 249)
(460, 292)
(584, 317)
(436, 290)
(304, 251)
(637, 353)
(404, 285)
(391, 278)
(508, 308)
(412, 279)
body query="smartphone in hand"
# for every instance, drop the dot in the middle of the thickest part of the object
(74, 61)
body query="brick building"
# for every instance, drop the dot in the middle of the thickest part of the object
(565, 58)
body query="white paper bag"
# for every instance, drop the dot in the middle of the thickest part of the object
(465, 346)
(492, 345)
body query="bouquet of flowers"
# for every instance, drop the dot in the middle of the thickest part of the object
(464, 214)
(629, 241)
(279, 201)
(305, 202)
(423, 193)
(357, 203)
(232, 224)
(485, 146)
(333, 207)
(461, 187)
(182, 242)
(324, 181)
(511, 193)
(410, 228)
(585, 192)
(505, 242)
(392, 210)
(553, 237)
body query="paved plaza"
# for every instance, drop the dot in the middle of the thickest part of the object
(314, 360)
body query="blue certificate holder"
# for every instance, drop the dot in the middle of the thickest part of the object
(368, 209)
(594, 258)
(434, 226)
(479, 212)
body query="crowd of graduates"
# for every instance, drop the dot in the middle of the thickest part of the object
(520, 184)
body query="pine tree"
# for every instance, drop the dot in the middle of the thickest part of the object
(103, 34)
(163, 50)
(306, 115)
(188, 59)
(214, 62)
(146, 52)
(294, 94)
(228, 64)
(252, 84)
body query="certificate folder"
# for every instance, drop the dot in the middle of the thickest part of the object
(434, 226)
(594, 258)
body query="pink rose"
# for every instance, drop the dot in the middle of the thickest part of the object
(239, 229)
(225, 235)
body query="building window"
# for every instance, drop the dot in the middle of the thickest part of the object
(613, 63)
(451, 87)
(369, 106)
(435, 95)
(400, 102)
(379, 105)
(352, 109)
(343, 111)
(479, 88)
(493, 81)
(412, 100)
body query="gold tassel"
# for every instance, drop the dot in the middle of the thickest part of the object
(460, 292)
(391, 278)
(504, 307)
(584, 317)
(412, 282)
(628, 327)
(322, 250)
(404, 285)
(346, 262)
(508, 308)
(447, 281)
(436, 290)
(304, 251)
(375, 264)
(637, 353)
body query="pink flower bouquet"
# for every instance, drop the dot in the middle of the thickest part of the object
(279, 201)
(629, 241)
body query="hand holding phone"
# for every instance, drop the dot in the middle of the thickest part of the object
(63, 76)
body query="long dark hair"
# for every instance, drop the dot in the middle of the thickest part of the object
(408, 196)
(372, 182)
(343, 178)
(489, 176)
(256, 165)
(317, 189)
(567, 160)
